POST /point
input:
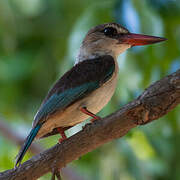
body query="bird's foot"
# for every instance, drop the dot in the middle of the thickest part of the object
(63, 135)
(85, 111)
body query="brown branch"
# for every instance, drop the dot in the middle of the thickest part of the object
(156, 101)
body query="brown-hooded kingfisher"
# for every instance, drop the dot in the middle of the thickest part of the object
(88, 86)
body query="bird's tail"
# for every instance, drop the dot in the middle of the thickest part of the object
(26, 144)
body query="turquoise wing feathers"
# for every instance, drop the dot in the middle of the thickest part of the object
(62, 100)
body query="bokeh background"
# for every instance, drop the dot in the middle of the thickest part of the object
(39, 40)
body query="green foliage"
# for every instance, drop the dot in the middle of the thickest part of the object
(39, 42)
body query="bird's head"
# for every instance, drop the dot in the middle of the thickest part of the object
(111, 39)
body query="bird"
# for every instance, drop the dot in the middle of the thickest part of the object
(88, 86)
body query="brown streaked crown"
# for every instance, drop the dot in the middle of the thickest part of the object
(101, 27)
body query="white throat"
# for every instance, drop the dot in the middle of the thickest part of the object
(91, 53)
(84, 55)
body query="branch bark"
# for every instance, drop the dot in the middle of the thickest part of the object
(156, 101)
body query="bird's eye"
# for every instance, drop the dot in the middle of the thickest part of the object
(110, 31)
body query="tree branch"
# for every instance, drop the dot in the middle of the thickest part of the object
(156, 101)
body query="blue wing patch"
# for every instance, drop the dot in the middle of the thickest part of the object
(62, 100)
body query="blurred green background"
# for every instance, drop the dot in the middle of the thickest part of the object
(39, 40)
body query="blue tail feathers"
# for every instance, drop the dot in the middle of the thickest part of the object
(27, 143)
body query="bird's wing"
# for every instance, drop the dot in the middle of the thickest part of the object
(78, 82)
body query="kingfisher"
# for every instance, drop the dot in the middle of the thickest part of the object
(88, 86)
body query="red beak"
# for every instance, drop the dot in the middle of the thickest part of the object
(139, 39)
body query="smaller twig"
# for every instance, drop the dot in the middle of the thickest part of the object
(53, 176)
(56, 173)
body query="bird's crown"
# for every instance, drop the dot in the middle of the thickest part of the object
(108, 29)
